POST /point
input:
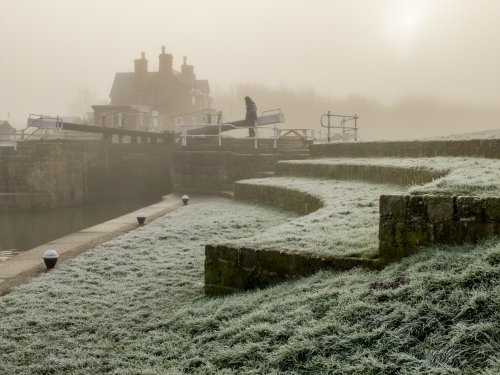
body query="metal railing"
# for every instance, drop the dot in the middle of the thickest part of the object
(343, 123)
(304, 134)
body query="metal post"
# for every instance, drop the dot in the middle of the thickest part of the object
(355, 127)
(220, 136)
(184, 134)
(328, 126)
(343, 129)
(275, 136)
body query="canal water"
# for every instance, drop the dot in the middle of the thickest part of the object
(24, 230)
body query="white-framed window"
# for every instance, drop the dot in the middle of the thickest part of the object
(120, 120)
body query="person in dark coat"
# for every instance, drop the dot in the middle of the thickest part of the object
(251, 116)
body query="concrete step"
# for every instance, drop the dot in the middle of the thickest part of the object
(11, 188)
(294, 156)
(264, 174)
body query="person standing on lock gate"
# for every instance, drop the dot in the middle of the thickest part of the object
(251, 116)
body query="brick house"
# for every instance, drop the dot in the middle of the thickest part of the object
(155, 100)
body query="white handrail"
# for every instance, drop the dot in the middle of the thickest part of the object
(307, 134)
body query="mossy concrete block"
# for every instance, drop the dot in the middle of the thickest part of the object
(387, 232)
(469, 208)
(393, 207)
(439, 208)
(417, 234)
(492, 209)
(228, 269)
(417, 208)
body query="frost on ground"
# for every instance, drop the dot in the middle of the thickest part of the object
(467, 176)
(100, 311)
(347, 225)
(135, 305)
(485, 134)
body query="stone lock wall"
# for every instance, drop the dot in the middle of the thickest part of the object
(229, 269)
(218, 170)
(487, 148)
(287, 199)
(373, 173)
(51, 174)
(408, 222)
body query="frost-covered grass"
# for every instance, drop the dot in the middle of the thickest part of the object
(346, 225)
(135, 305)
(485, 134)
(467, 176)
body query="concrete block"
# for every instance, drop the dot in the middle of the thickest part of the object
(439, 208)
(417, 208)
(491, 208)
(469, 209)
(393, 207)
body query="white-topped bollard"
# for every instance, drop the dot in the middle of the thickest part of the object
(185, 199)
(50, 258)
(141, 218)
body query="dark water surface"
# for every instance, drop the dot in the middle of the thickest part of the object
(25, 230)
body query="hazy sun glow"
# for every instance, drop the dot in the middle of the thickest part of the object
(401, 29)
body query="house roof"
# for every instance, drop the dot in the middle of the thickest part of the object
(203, 86)
(5, 127)
(127, 89)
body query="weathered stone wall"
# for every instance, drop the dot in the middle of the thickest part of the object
(371, 173)
(408, 222)
(64, 173)
(488, 148)
(217, 170)
(229, 269)
(287, 199)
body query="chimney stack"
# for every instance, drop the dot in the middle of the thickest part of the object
(166, 62)
(187, 70)
(141, 65)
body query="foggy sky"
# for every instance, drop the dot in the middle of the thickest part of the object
(379, 49)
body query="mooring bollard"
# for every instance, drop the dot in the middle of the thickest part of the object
(141, 218)
(185, 199)
(50, 258)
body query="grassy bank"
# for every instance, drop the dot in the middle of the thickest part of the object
(136, 306)
(346, 225)
(465, 176)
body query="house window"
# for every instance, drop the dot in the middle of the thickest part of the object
(103, 120)
(193, 100)
(140, 121)
(120, 120)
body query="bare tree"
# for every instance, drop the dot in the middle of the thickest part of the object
(81, 102)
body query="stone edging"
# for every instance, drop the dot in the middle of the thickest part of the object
(404, 176)
(486, 148)
(288, 199)
(29, 264)
(229, 268)
(408, 222)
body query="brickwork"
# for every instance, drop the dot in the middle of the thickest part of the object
(408, 222)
